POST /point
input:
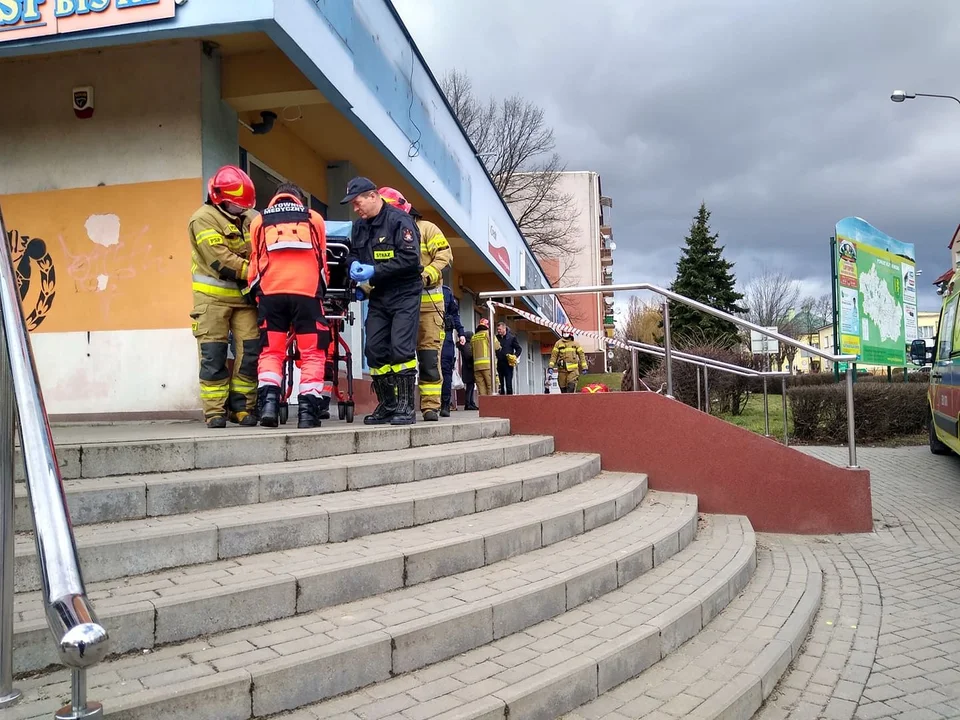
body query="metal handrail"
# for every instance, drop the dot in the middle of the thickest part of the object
(81, 639)
(668, 345)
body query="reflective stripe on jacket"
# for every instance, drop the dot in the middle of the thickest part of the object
(568, 356)
(480, 344)
(435, 255)
(220, 249)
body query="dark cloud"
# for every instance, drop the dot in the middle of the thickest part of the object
(777, 114)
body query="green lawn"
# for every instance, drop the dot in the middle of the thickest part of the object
(611, 380)
(752, 416)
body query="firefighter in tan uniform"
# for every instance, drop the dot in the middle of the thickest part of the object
(483, 368)
(569, 361)
(435, 255)
(220, 241)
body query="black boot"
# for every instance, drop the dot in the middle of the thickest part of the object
(217, 422)
(406, 413)
(308, 411)
(268, 399)
(385, 388)
(445, 407)
(324, 412)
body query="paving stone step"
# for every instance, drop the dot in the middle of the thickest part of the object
(162, 447)
(178, 605)
(730, 668)
(131, 497)
(288, 663)
(557, 665)
(137, 547)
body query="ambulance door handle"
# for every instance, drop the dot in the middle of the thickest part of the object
(938, 376)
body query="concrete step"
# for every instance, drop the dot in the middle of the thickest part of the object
(138, 547)
(132, 497)
(730, 668)
(288, 663)
(556, 666)
(182, 604)
(136, 448)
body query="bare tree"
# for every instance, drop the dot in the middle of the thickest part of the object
(641, 323)
(517, 146)
(772, 299)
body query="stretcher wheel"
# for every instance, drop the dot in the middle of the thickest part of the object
(284, 414)
(341, 411)
(349, 412)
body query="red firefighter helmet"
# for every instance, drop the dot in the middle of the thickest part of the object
(231, 184)
(595, 388)
(395, 198)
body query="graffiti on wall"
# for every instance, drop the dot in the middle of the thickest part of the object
(34, 269)
(115, 258)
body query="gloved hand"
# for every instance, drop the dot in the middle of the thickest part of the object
(361, 273)
(360, 294)
(354, 266)
(512, 360)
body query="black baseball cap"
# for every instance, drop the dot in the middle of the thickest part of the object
(357, 186)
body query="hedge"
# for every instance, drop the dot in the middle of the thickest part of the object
(881, 411)
(827, 378)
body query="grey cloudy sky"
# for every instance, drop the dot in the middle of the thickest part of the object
(776, 113)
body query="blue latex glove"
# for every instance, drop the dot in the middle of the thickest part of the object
(354, 266)
(360, 294)
(362, 273)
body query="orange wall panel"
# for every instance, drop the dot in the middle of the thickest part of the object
(104, 258)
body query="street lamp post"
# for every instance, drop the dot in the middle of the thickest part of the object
(899, 96)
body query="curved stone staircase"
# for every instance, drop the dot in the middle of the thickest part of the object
(447, 570)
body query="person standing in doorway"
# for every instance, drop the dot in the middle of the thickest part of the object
(385, 254)
(448, 356)
(507, 357)
(483, 366)
(220, 249)
(466, 370)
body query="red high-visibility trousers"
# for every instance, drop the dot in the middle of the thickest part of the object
(277, 315)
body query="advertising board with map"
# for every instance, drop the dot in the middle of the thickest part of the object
(876, 293)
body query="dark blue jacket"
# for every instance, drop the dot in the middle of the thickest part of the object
(451, 315)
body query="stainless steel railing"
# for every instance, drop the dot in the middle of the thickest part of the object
(80, 638)
(668, 351)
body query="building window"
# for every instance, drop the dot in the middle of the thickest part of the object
(925, 332)
(266, 181)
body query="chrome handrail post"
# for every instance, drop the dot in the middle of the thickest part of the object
(9, 696)
(667, 351)
(851, 425)
(786, 433)
(491, 317)
(635, 370)
(766, 409)
(699, 392)
(706, 387)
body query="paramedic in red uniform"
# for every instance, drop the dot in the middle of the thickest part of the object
(289, 275)
(385, 253)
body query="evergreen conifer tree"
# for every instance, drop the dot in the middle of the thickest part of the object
(705, 276)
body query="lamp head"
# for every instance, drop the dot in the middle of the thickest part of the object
(899, 96)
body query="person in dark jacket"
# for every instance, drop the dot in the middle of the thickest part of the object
(385, 255)
(466, 372)
(448, 355)
(507, 356)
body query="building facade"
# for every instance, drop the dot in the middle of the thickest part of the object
(114, 119)
(589, 264)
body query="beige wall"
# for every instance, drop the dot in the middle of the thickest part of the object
(146, 124)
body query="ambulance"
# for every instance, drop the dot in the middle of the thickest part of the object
(943, 358)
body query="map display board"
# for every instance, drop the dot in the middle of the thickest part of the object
(876, 293)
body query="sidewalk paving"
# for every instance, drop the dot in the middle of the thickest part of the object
(886, 642)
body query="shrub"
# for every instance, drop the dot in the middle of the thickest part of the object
(827, 378)
(728, 392)
(882, 411)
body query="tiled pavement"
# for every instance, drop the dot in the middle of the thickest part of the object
(886, 643)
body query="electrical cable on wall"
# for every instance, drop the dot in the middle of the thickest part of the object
(414, 149)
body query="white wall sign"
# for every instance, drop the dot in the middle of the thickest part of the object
(760, 344)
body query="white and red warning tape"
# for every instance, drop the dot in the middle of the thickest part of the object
(565, 329)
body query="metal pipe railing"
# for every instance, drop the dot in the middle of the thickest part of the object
(81, 639)
(667, 342)
(8, 694)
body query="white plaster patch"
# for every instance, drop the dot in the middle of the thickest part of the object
(103, 229)
(102, 281)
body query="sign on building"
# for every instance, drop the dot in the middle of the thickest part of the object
(760, 344)
(876, 290)
(21, 19)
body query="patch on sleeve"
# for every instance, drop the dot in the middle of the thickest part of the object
(407, 235)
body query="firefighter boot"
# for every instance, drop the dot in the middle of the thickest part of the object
(308, 410)
(217, 422)
(269, 402)
(406, 413)
(385, 388)
(324, 412)
(445, 408)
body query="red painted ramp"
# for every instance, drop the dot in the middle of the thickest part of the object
(731, 470)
